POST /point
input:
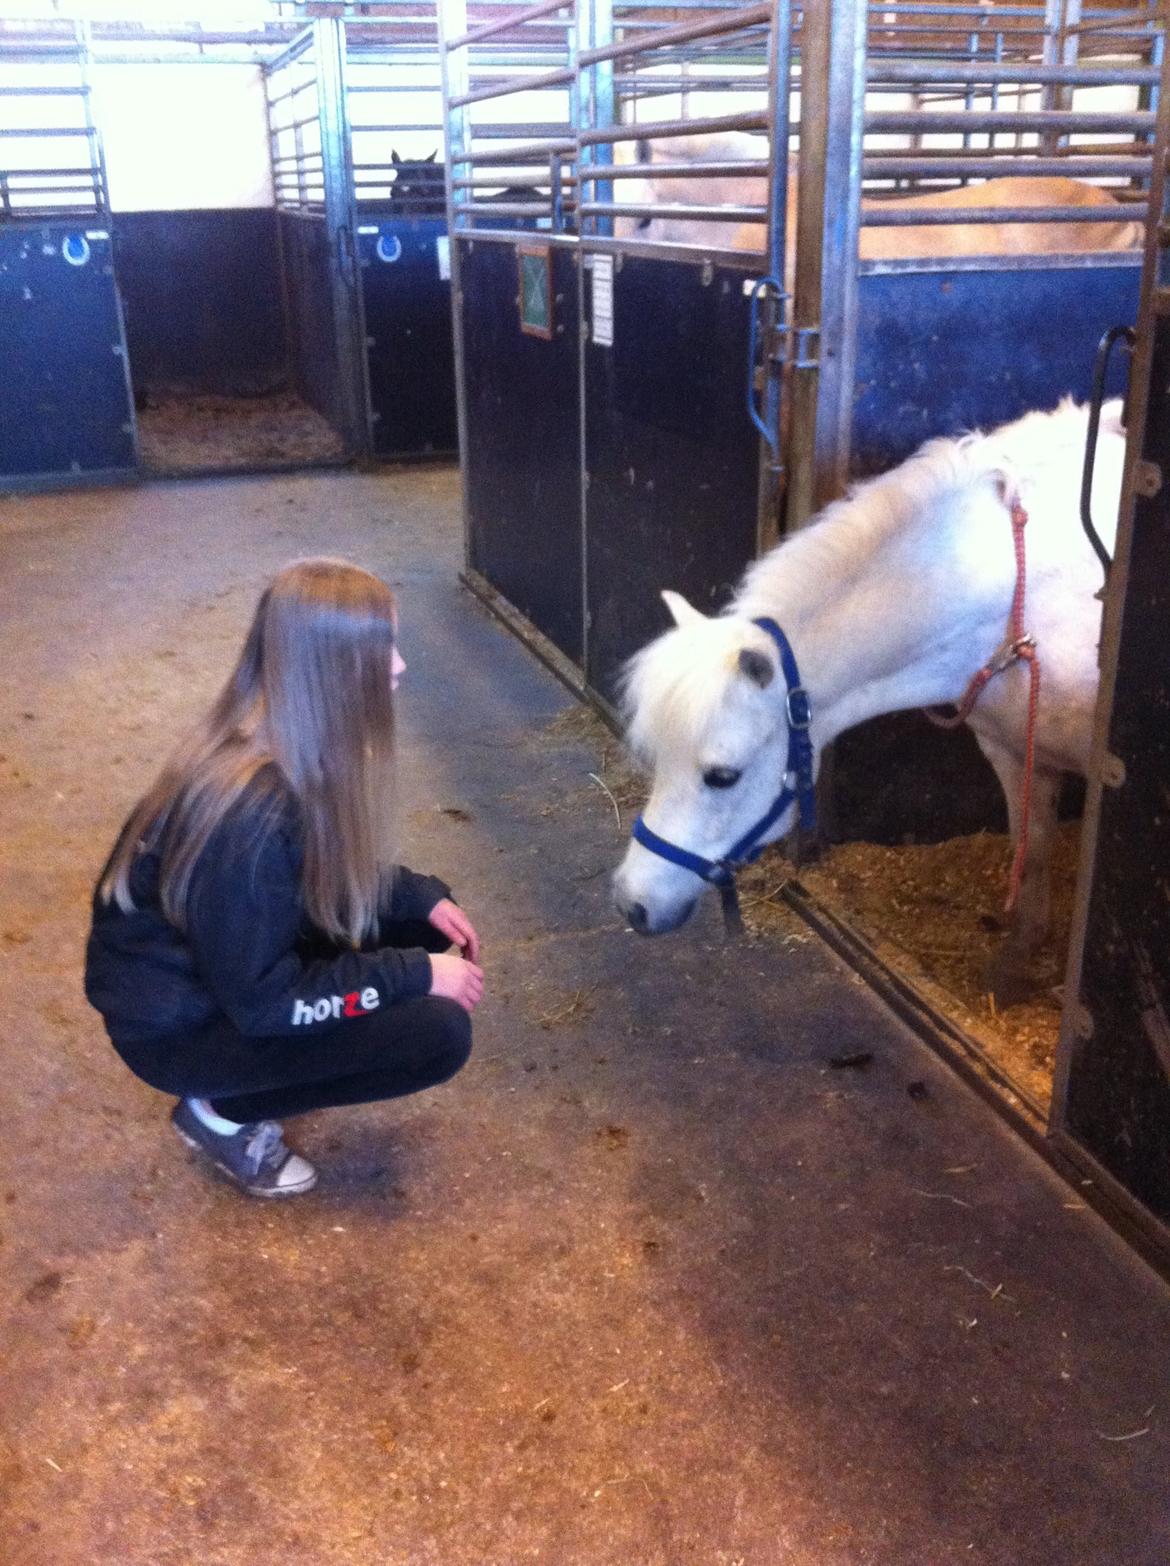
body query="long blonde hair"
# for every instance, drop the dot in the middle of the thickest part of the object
(311, 693)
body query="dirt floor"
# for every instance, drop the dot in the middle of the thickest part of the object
(179, 435)
(650, 1283)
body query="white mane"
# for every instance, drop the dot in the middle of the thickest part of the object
(673, 689)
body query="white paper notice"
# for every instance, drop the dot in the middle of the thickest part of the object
(603, 301)
(443, 251)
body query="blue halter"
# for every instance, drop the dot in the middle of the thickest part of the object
(797, 785)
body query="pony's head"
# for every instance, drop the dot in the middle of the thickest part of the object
(706, 707)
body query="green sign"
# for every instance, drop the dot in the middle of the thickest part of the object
(535, 291)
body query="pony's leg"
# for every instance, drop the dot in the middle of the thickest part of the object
(1010, 976)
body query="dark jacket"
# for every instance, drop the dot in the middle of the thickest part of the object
(249, 951)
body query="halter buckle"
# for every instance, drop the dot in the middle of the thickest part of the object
(799, 708)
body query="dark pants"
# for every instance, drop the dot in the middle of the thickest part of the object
(397, 1050)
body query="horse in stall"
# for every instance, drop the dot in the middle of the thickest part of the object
(1113, 231)
(892, 599)
(420, 186)
(420, 190)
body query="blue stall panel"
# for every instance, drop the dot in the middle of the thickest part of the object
(945, 351)
(66, 407)
(406, 295)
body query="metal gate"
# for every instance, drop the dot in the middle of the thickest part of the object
(313, 182)
(67, 412)
(393, 98)
(1112, 1103)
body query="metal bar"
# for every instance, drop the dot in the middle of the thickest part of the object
(748, 121)
(735, 21)
(389, 130)
(879, 165)
(43, 92)
(825, 303)
(514, 84)
(349, 345)
(26, 134)
(744, 168)
(499, 209)
(452, 18)
(927, 122)
(493, 183)
(936, 217)
(531, 13)
(894, 72)
(670, 209)
(521, 153)
(289, 56)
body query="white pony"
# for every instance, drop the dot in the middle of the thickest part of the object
(891, 599)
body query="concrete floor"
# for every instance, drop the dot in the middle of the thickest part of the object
(647, 1284)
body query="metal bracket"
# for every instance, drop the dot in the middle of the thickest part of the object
(806, 347)
(1147, 479)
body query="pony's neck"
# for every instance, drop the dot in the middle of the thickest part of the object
(875, 611)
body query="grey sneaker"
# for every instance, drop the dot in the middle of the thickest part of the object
(255, 1156)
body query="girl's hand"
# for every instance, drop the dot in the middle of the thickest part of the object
(450, 920)
(457, 980)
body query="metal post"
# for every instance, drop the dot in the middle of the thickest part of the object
(454, 72)
(825, 296)
(337, 176)
(1154, 290)
(775, 308)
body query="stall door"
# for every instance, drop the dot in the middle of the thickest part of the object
(405, 268)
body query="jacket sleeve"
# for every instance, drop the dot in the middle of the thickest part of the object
(412, 896)
(244, 917)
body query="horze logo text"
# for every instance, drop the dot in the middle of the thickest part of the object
(351, 1005)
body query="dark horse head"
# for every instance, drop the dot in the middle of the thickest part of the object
(419, 188)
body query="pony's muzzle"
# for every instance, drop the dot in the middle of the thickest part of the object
(646, 922)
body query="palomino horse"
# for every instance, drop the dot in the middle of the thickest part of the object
(1110, 230)
(890, 600)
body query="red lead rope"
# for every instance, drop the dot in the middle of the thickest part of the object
(1018, 644)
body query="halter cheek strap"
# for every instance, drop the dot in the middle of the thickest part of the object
(797, 785)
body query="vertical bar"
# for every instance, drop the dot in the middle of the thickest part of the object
(596, 106)
(454, 73)
(360, 342)
(776, 311)
(596, 100)
(828, 210)
(1155, 276)
(338, 181)
(95, 145)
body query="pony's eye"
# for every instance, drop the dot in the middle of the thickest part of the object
(721, 777)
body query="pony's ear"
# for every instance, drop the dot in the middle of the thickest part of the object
(432, 157)
(757, 666)
(394, 158)
(681, 612)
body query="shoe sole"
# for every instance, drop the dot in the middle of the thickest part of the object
(270, 1193)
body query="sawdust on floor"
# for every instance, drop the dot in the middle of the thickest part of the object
(200, 434)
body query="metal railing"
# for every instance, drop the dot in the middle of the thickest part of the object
(51, 162)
